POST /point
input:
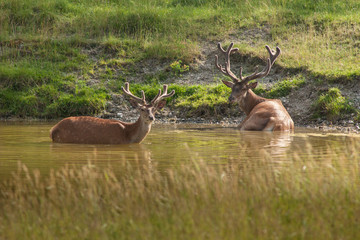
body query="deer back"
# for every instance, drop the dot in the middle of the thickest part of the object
(89, 130)
(262, 113)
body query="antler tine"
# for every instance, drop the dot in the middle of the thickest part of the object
(165, 88)
(126, 90)
(273, 56)
(270, 61)
(218, 65)
(160, 96)
(156, 97)
(220, 47)
(261, 74)
(230, 47)
(227, 71)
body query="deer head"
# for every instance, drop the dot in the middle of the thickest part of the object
(148, 110)
(241, 85)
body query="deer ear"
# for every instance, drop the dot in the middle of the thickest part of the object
(252, 85)
(134, 103)
(228, 84)
(160, 105)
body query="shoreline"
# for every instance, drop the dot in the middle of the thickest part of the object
(324, 126)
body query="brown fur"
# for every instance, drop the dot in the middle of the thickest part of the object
(91, 130)
(262, 114)
(267, 115)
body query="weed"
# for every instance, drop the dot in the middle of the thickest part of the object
(178, 67)
(332, 105)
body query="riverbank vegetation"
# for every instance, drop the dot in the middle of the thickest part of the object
(333, 105)
(308, 196)
(62, 57)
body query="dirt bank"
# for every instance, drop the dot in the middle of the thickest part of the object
(202, 71)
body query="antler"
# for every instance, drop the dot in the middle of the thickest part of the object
(137, 99)
(142, 100)
(270, 61)
(160, 96)
(227, 70)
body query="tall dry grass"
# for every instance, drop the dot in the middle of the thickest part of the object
(303, 198)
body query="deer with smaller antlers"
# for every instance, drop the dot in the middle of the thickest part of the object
(262, 114)
(92, 130)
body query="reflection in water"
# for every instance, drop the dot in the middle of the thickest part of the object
(275, 143)
(100, 154)
(116, 157)
(166, 146)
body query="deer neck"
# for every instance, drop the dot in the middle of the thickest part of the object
(250, 100)
(139, 130)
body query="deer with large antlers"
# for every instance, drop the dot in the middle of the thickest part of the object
(262, 114)
(91, 130)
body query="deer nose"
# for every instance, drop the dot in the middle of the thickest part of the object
(151, 118)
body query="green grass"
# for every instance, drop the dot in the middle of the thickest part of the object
(31, 91)
(204, 101)
(281, 88)
(195, 100)
(63, 44)
(333, 105)
(303, 198)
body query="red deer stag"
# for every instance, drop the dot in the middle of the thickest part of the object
(262, 114)
(91, 130)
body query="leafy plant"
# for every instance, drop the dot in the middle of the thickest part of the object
(178, 67)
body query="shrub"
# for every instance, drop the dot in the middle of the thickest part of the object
(178, 67)
(332, 105)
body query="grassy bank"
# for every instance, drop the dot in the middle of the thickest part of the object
(301, 198)
(62, 57)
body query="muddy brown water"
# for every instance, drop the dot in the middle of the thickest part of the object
(167, 145)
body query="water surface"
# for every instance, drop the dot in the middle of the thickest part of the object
(167, 145)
